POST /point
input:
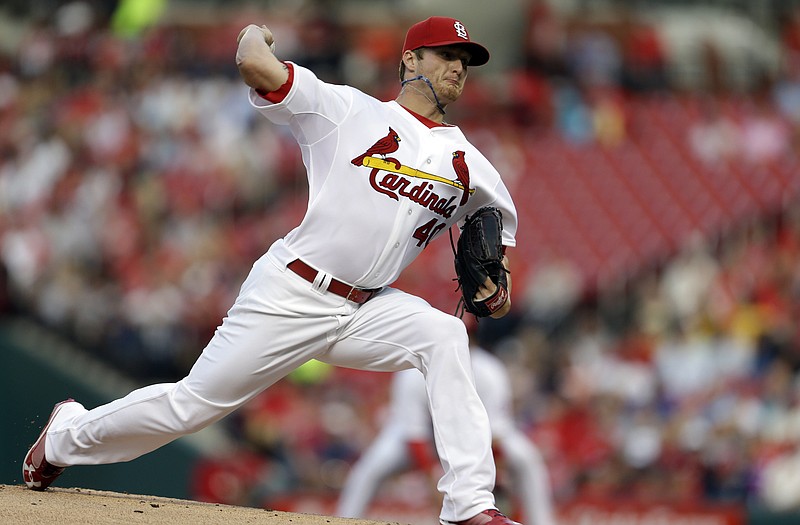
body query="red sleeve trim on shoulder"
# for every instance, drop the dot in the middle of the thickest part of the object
(279, 94)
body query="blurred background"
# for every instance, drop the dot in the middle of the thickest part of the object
(651, 147)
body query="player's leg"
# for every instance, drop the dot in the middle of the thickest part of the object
(531, 480)
(386, 455)
(396, 330)
(270, 331)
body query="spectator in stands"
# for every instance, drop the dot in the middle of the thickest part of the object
(554, 290)
(644, 59)
(789, 33)
(594, 58)
(688, 276)
(786, 94)
(608, 116)
(765, 137)
(713, 138)
(544, 41)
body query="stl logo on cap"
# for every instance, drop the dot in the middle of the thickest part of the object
(461, 30)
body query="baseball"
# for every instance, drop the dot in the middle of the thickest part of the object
(266, 33)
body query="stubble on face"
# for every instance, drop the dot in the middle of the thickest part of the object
(450, 90)
(449, 83)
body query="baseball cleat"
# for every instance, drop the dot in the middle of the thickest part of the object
(37, 473)
(488, 517)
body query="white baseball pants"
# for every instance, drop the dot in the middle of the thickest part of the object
(278, 322)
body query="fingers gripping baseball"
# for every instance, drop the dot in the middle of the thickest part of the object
(269, 38)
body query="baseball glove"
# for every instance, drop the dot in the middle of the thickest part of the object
(478, 256)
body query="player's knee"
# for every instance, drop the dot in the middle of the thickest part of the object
(447, 329)
(448, 336)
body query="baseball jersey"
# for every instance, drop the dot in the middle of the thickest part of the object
(382, 184)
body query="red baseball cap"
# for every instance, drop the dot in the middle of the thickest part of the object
(444, 31)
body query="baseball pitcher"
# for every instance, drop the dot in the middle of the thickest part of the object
(385, 179)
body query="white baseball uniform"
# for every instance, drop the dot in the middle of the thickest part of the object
(408, 419)
(369, 215)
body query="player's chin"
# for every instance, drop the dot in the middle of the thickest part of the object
(451, 92)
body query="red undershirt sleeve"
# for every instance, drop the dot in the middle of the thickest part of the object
(279, 94)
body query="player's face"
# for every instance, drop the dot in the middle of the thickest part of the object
(446, 68)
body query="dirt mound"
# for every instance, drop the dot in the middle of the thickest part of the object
(73, 505)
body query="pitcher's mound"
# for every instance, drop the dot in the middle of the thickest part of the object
(68, 506)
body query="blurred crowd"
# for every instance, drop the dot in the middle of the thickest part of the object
(685, 388)
(137, 187)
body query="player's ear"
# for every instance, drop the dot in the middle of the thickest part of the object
(410, 60)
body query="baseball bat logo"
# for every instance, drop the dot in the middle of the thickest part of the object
(395, 183)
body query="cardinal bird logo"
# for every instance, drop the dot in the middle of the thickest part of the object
(462, 172)
(384, 146)
(388, 176)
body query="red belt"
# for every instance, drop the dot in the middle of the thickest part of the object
(357, 295)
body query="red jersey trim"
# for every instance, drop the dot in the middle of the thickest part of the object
(425, 120)
(279, 94)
